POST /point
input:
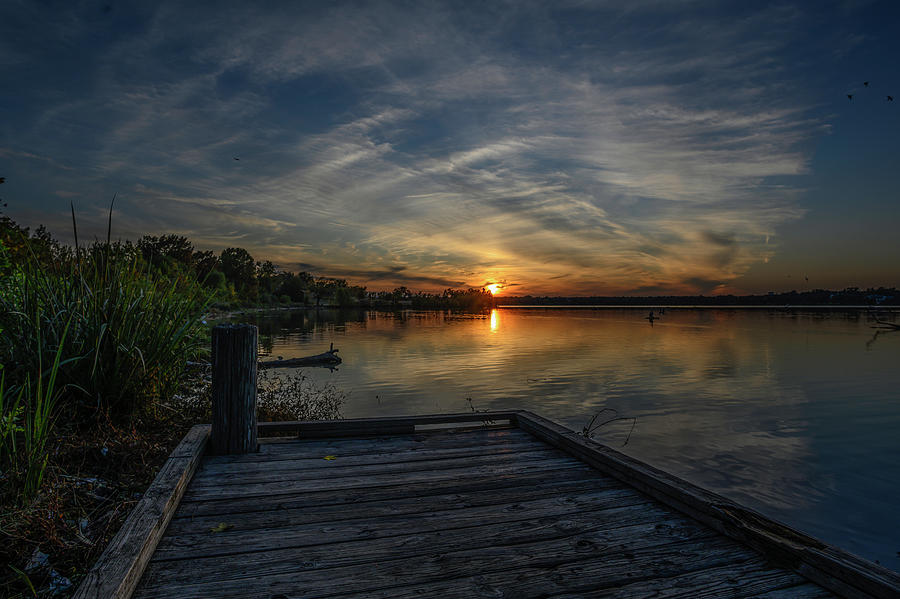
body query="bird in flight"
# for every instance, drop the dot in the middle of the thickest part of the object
(865, 84)
(890, 98)
(236, 158)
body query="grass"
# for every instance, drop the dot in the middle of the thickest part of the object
(25, 426)
(11, 413)
(131, 329)
(91, 342)
(101, 374)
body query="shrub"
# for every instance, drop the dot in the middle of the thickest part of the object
(296, 397)
(25, 425)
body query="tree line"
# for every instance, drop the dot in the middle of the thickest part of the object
(233, 276)
(849, 296)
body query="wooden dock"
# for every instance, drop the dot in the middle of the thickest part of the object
(487, 504)
(519, 507)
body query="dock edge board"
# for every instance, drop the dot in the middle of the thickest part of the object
(832, 568)
(118, 570)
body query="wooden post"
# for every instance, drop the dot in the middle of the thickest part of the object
(234, 359)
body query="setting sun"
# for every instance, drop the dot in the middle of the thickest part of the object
(494, 288)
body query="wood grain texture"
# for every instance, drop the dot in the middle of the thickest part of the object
(274, 514)
(281, 448)
(234, 365)
(313, 500)
(692, 579)
(609, 506)
(283, 487)
(337, 468)
(118, 570)
(377, 426)
(580, 532)
(341, 460)
(577, 555)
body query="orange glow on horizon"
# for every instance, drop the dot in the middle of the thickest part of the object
(494, 288)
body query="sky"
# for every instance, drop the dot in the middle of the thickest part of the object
(554, 148)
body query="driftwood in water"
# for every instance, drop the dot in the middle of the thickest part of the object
(884, 324)
(328, 358)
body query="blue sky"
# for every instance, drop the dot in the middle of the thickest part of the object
(636, 147)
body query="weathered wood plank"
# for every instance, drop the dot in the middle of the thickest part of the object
(734, 581)
(273, 514)
(314, 499)
(606, 504)
(318, 461)
(440, 437)
(118, 569)
(583, 527)
(750, 578)
(234, 351)
(322, 469)
(375, 480)
(807, 590)
(618, 567)
(420, 441)
(387, 425)
(601, 571)
(833, 568)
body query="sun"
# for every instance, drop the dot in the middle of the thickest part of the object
(494, 288)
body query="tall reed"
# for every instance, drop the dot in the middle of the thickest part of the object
(25, 425)
(11, 410)
(40, 400)
(132, 329)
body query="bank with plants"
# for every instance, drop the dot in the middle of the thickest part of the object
(103, 367)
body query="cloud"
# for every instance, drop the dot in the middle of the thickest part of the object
(433, 138)
(393, 275)
(9, 153)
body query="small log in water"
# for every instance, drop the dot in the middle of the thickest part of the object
(883, 324)
(234, 359)
(328, 358)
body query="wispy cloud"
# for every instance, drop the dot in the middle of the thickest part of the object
(533, 144)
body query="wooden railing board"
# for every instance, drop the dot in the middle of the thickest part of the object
(118, 570)
(391, 425)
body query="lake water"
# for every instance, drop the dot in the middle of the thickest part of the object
(794, 414)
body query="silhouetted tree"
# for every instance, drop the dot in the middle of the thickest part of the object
(240, 270)
(204, 264)
(266, 276)
(167, 250)
(293, 287)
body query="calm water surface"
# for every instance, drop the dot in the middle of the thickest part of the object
(796, 415)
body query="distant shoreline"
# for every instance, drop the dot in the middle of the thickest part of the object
(788, 307)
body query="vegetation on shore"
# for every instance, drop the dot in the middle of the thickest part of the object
(103, 368)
